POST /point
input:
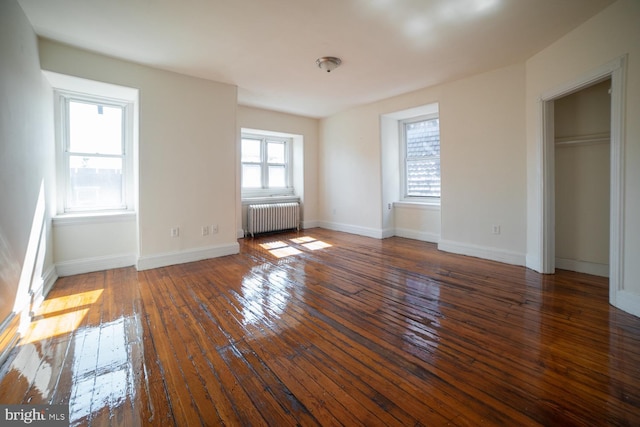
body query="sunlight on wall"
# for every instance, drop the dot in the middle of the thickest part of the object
(31, 276)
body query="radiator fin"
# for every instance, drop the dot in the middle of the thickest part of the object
(264, 218)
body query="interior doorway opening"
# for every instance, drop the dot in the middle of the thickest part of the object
(582, 135)
(615, 72)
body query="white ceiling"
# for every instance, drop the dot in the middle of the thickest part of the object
(268, 48)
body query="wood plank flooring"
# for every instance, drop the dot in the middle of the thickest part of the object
(327, 328)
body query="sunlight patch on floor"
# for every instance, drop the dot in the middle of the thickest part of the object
(67, 302)
(281, 249)
(53, 326)
(58, 316)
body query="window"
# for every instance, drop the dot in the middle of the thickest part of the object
(420, 139)
(95, 156)
(265, 165)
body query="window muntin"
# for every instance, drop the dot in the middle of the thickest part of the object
(265, 165)
(421, 166)
(96, 165)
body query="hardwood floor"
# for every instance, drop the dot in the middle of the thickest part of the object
(327, 328)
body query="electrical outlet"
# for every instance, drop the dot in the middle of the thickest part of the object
(389, 206)
(495, 229)
(175, 232)
(205, 230)
(214, 228)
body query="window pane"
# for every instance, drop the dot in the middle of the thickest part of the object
(251, 176)
(423, 138)
(277, 177)
(95, 182)
(251, 150)
(95, 128)
(423, 178)
(275, 152)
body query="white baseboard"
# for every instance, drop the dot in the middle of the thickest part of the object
(310, 224)
(191, 255)
(9, 335)
(89, 265)
(483, 252)
(583, 267)
(49, 278)
(533, 263)
(376, 233)
(417, 235)
(629, 302)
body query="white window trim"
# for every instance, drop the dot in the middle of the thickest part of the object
(63, 98)
(93, 91)
(403, 163)
(250, 193)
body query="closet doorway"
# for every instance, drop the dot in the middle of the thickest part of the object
(582, 130)
(613, 73)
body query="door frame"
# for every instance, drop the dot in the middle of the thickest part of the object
(616, 71)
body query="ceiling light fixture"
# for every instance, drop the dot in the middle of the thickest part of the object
(328, 63)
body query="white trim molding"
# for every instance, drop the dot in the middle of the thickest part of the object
(89, 265)
(484, 252)
(67, 220)
(417, 235)
(197, 254)
(586, 267)
(310, 224)
(616, 71)
(9, 335)
(629, 302)
(375, 233)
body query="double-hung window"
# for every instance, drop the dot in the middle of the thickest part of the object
(420, 140)
(95, 164)
(266, 167)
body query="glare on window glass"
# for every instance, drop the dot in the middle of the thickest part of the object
(275, 152)
(277, 177)
(251, 150)
(95, 128)
(251, 176)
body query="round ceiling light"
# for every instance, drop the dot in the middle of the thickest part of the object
(328, 63)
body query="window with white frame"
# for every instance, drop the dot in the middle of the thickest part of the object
(420, 145)
(95, 164)
(266, 169)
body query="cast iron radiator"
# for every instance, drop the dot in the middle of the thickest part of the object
(263, 218)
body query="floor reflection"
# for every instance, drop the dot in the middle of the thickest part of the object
(266, 292)
(35, 368)
(103, 370)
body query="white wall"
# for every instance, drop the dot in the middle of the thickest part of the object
(483, 166)
(187, 154)
(26, 173)
(609, 35)
(349, 172)
(305, 152)
(90, 245)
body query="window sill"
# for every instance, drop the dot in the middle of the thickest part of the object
(431, 206)
(63, 220)
(269, 199)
